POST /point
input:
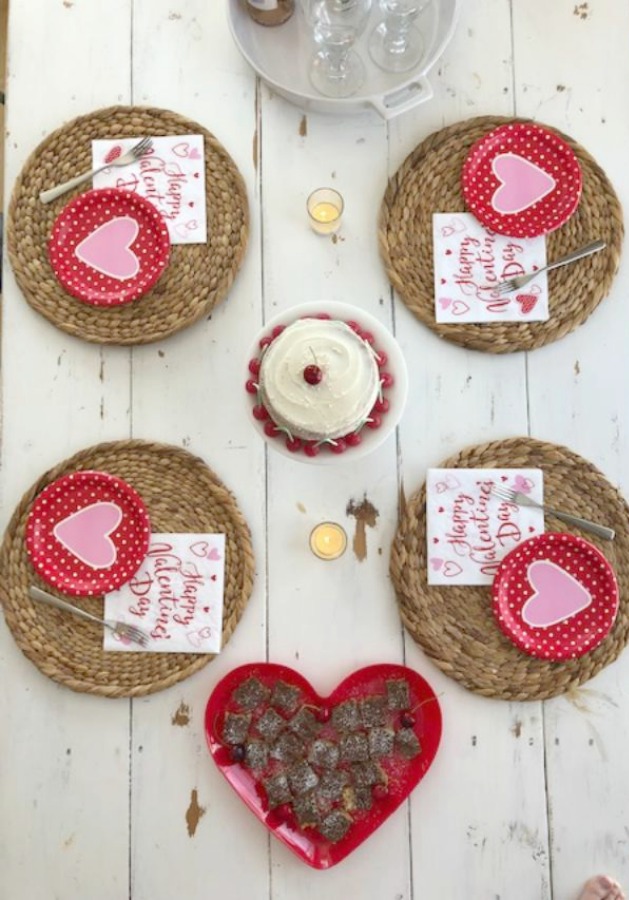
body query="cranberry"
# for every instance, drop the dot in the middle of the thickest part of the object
(294, 444)
(407, 719)
(339, 446)
(323, 715)
(260, 413)
(381, 406)
(313, 374)
(374, 421)
(380, 791)
(381, 358)
(264, 342)
(254, 366)
(368, 337)
(311, 448)
(277, 330)
(238, 753)
(270, 428)
(251, 387)
(386, 380)
(354, 439)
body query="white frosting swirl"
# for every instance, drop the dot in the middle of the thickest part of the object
(348, 389)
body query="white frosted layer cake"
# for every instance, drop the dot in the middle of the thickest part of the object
(319, 379)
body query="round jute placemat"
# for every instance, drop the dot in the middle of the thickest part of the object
(182, 495)
(429, 181)
(198, 276)
(455, 625)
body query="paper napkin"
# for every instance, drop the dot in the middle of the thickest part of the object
(469, 259)
(176, 597)
(171, 175)
(469, 530)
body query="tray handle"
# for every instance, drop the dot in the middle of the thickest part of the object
(402, 99)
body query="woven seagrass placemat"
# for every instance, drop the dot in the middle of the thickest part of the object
(455, 626)
(198, 275)
(182, 495)
(429, 181)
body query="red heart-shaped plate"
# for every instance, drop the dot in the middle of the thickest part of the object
(322, 773)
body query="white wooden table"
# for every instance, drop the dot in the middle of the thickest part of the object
(97, 797)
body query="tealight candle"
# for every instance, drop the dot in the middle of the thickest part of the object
(325, 207)
(328, 540)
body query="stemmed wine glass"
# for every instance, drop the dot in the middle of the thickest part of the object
(396, 44)
(336, 70)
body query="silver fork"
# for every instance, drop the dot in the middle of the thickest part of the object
(506, 494)
(125, 159)
(514, 284)
(120, 628)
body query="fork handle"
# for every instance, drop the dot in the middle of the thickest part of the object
(44, 597)
(588, 250)
(608, 534)
(52, 193)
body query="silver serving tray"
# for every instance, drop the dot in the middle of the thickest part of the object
(281, 56)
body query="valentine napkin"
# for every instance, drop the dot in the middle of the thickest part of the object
(176, 596)
(171, 175)
(469, 530)
(469, 260)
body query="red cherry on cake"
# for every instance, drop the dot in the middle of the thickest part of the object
(381, 406)
(381, 358)
(368, 337)
(270, 428)
(407, 719)
(277, 330)
(293, 444)
(251, 387)
(354, 326)
(311, 448)
(264, 342)
(374, 421)
(353, 439)
(323, 316)
(313, 374)
(238, 753)
(386, 380)
(260, 413)
(339, 446)
(254, 366)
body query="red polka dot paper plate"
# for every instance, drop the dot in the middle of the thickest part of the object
(555, 596)
(108, 247)
(521, 180)
(87, 533)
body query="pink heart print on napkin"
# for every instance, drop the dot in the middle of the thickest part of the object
(196, 638)
(107, 248)
(557, 595)
(86, 534)
(522, 183)
(524, 485)
(184, 150)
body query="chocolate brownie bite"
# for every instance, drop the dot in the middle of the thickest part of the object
(398, 695)
(324, 754)
(373, 711)
(277, 790)
(302, 778)
(367, 773)
(307, 810)
(407, 743)
(335, 825)
(354, 747)
(305, 724)
(381, 742)
(346, 716)
(357, 798)
(285, 697)
(256, 755)
(330, 787)
(288, 748)
(236, 728)
(250, 693)
(270, 724)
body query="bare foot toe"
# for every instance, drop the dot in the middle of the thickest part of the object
(601, 888)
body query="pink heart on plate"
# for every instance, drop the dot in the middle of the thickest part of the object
(522, 183)
(451, 569)
(107, 248)
(444, 302)
(558, 595)
(436, 563)
(459, 308)
(86, 532)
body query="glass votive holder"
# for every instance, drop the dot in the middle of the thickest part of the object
(328, 540)
(325, 208)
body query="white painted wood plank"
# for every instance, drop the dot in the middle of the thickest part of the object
(64, 776)
(462, 844)
(577, 398)
(189, 391)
